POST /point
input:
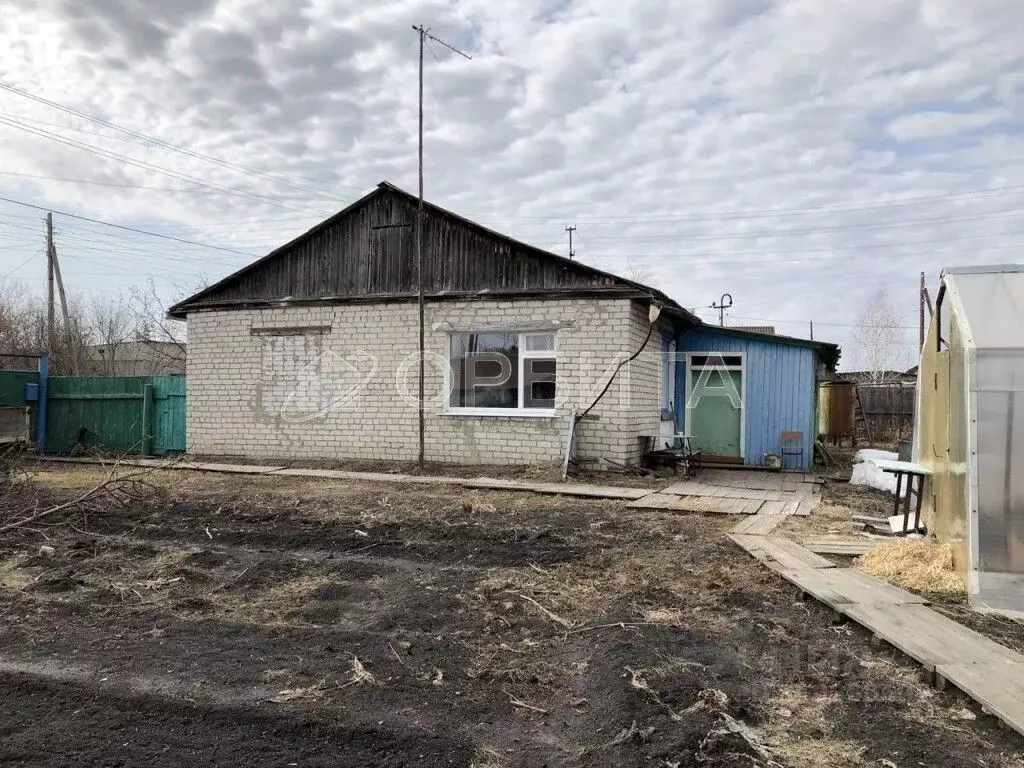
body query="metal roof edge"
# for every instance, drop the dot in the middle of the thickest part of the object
(992, 269)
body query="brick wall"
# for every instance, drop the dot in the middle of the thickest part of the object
(278, 383)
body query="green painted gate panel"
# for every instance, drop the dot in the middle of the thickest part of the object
(116, 414)
(12, 387)
(99, 412)
(715, 422)
(169, 414)
(13, 403)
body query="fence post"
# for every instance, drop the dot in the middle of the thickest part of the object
(42, 393)
(147, 420)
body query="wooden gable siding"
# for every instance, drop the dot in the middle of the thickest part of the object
(370, 250)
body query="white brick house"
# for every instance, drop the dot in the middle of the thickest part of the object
(312, 352)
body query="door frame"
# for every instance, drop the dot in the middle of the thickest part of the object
(668, 395)
(742, 368)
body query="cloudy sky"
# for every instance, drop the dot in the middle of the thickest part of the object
(797, 154)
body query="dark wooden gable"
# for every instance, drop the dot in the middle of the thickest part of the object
(369, 251)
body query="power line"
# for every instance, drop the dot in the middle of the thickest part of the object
(667, 237)
(119, 157)
(132, 186)
(789, 251)
(280, 178)
(127, 229)
(653, 218)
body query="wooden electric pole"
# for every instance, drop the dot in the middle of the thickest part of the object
(570, 230)
(49, 285)
(68, 336)
(423, 35)
(812, 330)
(920, 302)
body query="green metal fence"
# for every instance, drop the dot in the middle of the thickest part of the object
(119, 414)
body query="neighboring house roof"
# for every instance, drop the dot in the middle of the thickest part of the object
(828, 353)
(876, 377)
(765, 329)
(461, 259)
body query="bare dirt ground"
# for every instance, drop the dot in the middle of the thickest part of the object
(240, 621)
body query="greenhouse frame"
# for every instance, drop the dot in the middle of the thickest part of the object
(970, 429)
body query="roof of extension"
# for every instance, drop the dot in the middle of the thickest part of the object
(827, 352)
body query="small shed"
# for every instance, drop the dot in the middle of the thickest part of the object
(743, 393)
(970, 429)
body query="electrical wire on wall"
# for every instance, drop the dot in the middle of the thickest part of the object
(653, 313)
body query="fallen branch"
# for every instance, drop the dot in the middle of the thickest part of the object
(623, 625)
(111, 485)
(550, 614)
(522, 704)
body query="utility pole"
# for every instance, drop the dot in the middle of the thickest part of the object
(721, 306)
(423, 35)
(570, 230)
(49, 285)
(920, 303)
(68, 336)
(812, 330)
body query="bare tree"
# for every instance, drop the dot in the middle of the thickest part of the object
(23, 332)
(880, 343)
(112, 326)
(638, 272)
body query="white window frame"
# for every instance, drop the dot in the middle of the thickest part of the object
(519, 411)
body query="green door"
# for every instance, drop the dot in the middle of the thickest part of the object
(715, 409)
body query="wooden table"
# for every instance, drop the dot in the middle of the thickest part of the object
(913, 472)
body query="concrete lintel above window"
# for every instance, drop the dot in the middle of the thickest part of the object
(292, 330)
(525, 325)
(505, 413)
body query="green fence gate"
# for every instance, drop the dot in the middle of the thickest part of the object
(118, 414)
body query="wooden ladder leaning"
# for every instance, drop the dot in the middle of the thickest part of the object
(860, 417)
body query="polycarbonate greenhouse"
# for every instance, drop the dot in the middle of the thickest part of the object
(970, 428)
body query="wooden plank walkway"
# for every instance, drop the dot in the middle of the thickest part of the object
(847, 545)
(697, 504)
(487, 483)
(693, 488)
(989, 673)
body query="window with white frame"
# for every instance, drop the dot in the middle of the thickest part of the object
(501, 372)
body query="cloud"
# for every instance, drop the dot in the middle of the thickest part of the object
(936, 124)
(759, 147)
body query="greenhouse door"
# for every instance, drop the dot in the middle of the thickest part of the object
(714, 405)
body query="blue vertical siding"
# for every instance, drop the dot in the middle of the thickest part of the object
(780, 385)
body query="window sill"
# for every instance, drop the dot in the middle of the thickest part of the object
(516, 413)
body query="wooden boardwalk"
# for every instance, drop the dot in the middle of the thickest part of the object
(989, 673)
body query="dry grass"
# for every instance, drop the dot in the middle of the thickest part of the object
(801, 729)
(273, 606)
(13, 575)
(918, 564)
(825, 519)
(487, 757)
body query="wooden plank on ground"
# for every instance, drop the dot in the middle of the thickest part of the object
(807, 503)
(852, 546)
(997, 685)
(764, 524)
(695, 504)
(839, 587)
(927, 636)
(780, 553)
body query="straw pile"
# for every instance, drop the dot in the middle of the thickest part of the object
(918, 564)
